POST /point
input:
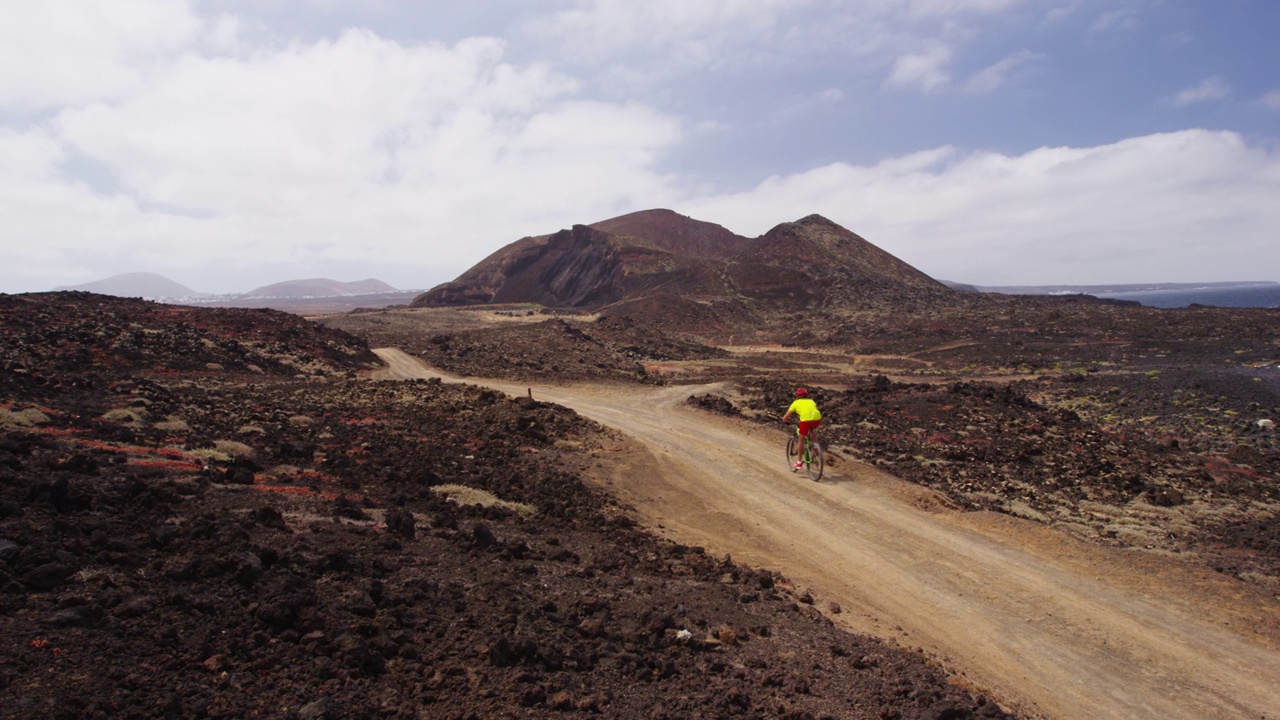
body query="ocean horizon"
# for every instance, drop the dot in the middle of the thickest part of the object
(1244, 296)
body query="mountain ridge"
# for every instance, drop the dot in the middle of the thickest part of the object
(653, 262)
(671, 231)
(135, 284)
(321, 287)
(154, 286)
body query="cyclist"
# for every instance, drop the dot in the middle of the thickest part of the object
(810, 418)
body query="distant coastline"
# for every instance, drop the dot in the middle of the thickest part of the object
(1258, 294)
(1262, 295)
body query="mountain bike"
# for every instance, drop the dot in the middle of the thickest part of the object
(811, 457)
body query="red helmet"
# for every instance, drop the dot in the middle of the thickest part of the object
(801, 392)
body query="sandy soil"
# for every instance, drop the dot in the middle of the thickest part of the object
(1049, 626)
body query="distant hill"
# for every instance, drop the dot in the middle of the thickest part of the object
(963, 287)
(320, 287)
(317, 296)
(1103, 290)
(673, 269)
(138, 284)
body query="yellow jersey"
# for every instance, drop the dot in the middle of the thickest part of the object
(806, 409)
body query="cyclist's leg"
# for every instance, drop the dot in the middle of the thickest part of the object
(800, 440)
(804, 430)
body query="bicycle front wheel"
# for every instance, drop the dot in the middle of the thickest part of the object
(791, 453)
(814, 468)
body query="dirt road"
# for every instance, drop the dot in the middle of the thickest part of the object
(1049, 626)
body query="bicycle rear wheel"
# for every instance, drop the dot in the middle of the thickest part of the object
(816, 463)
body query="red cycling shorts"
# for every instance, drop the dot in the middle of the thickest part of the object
(807, 425)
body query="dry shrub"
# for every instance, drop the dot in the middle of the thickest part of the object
(22, 418)
(94, 572)
(173, 424)
(464, 495)
(128, 415)
(234, 449)
(211, 455)
(284, 472)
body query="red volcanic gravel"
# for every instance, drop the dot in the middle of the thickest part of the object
(215, 514)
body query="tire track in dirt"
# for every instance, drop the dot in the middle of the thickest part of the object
(1049, 626)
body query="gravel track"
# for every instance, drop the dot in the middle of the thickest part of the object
(1048, 625)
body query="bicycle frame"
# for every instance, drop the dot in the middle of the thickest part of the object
(805, 445)
(809, 452)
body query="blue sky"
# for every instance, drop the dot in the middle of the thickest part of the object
(229, 144)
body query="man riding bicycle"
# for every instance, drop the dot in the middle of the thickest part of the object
(810, 418)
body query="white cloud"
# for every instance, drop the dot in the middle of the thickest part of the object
(1271, 100)
(79, 50)
(926, 71)
(215, 150)
(1124, 18)
(995, 76)
(1062, 12)
(950, 8)
(807, 105)
(226, 134)
(1213, 88)
(1190, 206)
(360, 149)
(57, 227)
(633, 45)
(684, 33)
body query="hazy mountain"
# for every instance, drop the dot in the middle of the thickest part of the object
(320, 287)
(306, 297)
(138, 284)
